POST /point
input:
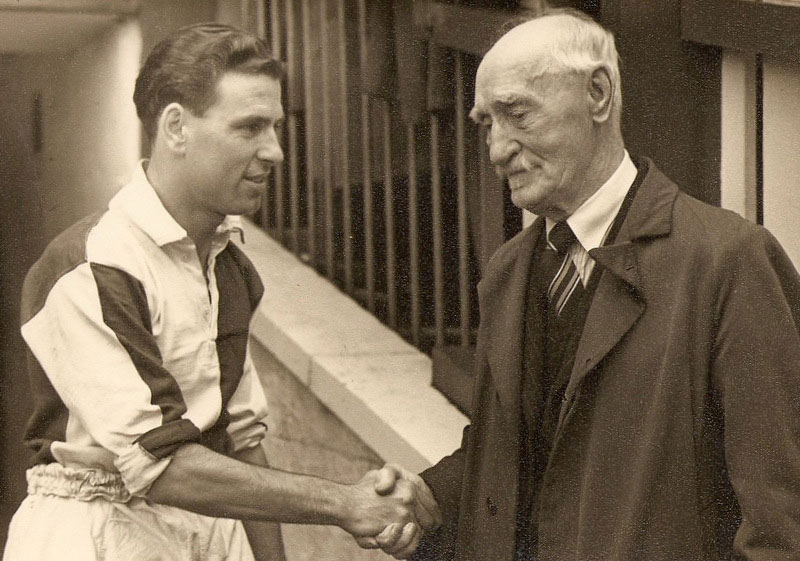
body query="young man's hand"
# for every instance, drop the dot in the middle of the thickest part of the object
(384, 518)
(396, 540)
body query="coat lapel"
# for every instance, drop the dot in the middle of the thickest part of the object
(502, 295)
(619, 301)
(616, 306)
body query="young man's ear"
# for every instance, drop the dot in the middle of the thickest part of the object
(171, 127)
(601, 93)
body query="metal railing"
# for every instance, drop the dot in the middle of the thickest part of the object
(386, 188)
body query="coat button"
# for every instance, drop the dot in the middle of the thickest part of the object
(491, 506)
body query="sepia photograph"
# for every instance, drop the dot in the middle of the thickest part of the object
(362, 280)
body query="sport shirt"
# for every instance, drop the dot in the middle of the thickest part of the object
(134, 353)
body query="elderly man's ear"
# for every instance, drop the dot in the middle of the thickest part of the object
(601, 94)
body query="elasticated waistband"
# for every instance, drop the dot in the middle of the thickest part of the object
(81, 484)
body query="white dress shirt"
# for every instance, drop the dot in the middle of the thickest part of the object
(592, 221)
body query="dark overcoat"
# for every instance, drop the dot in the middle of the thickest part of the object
(679, 434)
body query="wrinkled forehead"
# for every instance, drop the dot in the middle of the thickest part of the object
(501, 79)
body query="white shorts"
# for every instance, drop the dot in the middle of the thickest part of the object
(85, 515)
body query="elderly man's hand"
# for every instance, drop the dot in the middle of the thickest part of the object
(402, 541)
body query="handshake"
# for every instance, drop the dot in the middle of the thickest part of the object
(391, 509)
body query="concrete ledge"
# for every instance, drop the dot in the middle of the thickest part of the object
(373, 380)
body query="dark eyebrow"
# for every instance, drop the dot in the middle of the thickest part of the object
(249, 119)
(256, 119)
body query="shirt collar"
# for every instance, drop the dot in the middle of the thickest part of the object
(140, 202)
(592, 220)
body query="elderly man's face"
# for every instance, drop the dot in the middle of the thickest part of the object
(540, 132)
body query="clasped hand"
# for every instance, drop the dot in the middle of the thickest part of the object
(397, 509)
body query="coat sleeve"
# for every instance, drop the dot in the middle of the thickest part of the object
(756, 371)
(444, 480)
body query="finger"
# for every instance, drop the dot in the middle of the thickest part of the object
(426, 508)
(390, 535)
(406, 552)
(405, 542)
(432, 516)
(424, 518)
(429, 516)
(386, 477)
(365, 542)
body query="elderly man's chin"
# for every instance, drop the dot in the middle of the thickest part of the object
(527, 195)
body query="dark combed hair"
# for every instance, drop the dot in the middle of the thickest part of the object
(186, 66)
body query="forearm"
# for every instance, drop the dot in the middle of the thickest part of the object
(202, 481)
(266, 539)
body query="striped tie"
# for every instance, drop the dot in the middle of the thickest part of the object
(567, 279)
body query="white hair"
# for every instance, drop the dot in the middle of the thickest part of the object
(576, 43)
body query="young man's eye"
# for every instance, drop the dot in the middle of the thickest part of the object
(251, 128)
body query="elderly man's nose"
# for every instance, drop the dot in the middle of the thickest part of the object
(501, 146)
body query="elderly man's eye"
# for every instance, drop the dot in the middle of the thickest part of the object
(518, 114)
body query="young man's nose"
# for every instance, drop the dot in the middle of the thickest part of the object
(269, 150)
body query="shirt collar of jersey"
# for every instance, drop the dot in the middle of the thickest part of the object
(139, 201)
(591, 221)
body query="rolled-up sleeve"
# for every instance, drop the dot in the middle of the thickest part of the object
(93, 338)
(248, 409)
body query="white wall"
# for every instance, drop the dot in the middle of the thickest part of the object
(738, 137)
(782, 154)
(780, 144)
(91, 132)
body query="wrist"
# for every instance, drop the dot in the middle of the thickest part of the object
(336, 504)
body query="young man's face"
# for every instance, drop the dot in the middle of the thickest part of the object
(232, 147)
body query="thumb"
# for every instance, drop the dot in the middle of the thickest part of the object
(386, 478)
(367, 542)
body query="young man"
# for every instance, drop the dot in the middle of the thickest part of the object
(638, 357)
(148, 412)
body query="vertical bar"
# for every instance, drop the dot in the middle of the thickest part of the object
(294, 183)
(344, 95)
(759, 139)
(256, 26)
(275, 32)
(366, 157)
(413, 233)
(291, 124)
(326, 139)
(436, 204)
(492, 219)
(483, 159)
(261, 19)
(737, 170)
(309, 131)
(463, 265)
(388, 209)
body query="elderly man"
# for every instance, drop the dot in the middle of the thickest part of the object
(148, 418)
(638, 363)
